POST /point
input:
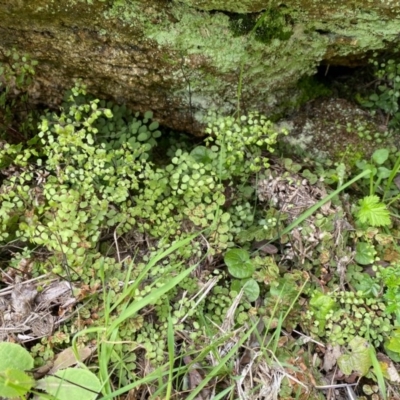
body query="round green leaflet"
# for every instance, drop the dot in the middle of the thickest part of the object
(251, 290)
(239, 264)
(365, 253)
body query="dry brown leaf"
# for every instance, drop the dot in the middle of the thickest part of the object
(195, 378)
(67, 358)
(331, 355)
(22, 298)
(264, 247)
(391, 255)
(388, 368)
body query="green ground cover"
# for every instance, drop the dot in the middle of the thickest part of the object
(226, 269)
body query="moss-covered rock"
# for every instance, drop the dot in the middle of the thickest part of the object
(180, 59)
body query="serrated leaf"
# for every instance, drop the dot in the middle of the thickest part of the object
(373, 212)
(321, 305)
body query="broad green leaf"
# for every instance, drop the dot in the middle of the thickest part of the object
(358, 359)
(202, 155)
(156, 134)
(108, 113)
(142, 129)
(134, 127)
(236, 285)
(384, 172)
(374, 97)
(225, 217)
(89, 139)
(251, 290)
(238, 263)
(365, 253)
(15, 383)
(380, 156)
(71, 383)
(392, 345)
(14, 356)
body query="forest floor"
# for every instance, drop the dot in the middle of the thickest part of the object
(260, 263)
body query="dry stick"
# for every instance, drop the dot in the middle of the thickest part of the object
(8, 289)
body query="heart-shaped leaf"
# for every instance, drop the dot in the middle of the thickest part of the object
(239, 264)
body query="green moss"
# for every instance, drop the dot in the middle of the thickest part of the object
(271, 24)
(212, 55)
(200, 55)
(236, 6)
(310, 88)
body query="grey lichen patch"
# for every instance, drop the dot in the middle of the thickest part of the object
(351, 28)
(50, 13)
(368, 31)
(206, 56)
(213, 57)
(313, 8)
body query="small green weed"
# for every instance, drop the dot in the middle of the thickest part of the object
(371, 209)
(387, 91)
